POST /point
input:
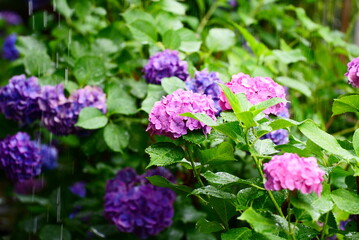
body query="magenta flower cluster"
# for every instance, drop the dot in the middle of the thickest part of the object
(134, 205)
(256, 89)
(289, 171)
(60, 114)
(206, 83)
(353, 72)
(165, 64)
(164, 117)
(23, 100)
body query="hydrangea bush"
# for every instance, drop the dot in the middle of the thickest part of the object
(177, 120)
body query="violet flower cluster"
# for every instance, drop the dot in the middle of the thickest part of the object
(164, 117)
(20, 157)
(163, 65)
(19, 99)
(280, 136)
(206, 83)
(134, 205)
(353, 72)
(289, 171)
(10, 17)
(29, 186)
(60, 114)
(9, 50)
(49, 157)
(78, 189)
(257, 89)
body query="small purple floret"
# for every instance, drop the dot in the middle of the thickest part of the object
(78, 189)
(49, 157)
(353, 72)
(9, 51)
(10, 18)
(134, 205)
(163, 65)
(20, 157)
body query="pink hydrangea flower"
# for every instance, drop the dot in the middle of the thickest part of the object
(164, 117)
(289, 171)
(257, 89)
(353, 72)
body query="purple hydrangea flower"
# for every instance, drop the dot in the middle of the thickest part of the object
(165, 64)
(278, 137)
(10, 18)
(9, 51)
(60, 114)
(164, 117)
(257, 89)
(49, 157)
(19, 99)
(206, 83)
(289, 171)
(232, 3)
(353, 72)
(20, 157)
(78, 189)
(134, 205)
(29, 186)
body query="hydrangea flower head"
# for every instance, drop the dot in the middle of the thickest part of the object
(9, 51)
(134, 205)
(289, 171)
(78, 189)
(257, 89)
(206, 83)
(165, 64)
(19, 99)
(353, 72)
(164, 117)
(20, 157)
(278, 137)
(60, 114)
(10, 17)
(29, 186)
(49, 157)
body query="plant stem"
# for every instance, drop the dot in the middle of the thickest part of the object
(206, 17)
(195, 173)
(322, 237)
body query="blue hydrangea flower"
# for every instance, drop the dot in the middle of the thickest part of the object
(20, 157)
(165, 64)
(78, 189)
(49, 157)
(60, 114)
(206, 83)
(134, 205)
(9, 51)
(10, 17)
(280, 136)
(19, 99)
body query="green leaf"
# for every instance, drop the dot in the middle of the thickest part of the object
(189, 41)
(259, 107)
(133, 15)
(264, 147)
(155, 93)
(281, 123)
(27, 44)
(356, 141)
(38, 63)
(346, 103)
(339, 215)
(223, 152)
(205, 226)
(257, 47)
(63, 8)
(172, 84)
(196, 137)
(91, 118)
(173, 6)
(214, 192)
(237, 234)
(323, 139)
(291, 56)
(314, 205)
(295, 84)
(171, 40)
(221, 178)
(164, 153)
(89, 70)
(120, 102)
(116, 137)
(163, 182)
(346, 201)
(55, 232)
(246, 196)
(31, 199)
(220, 39)
(143, 31)
(258, 222)
(201, 117)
